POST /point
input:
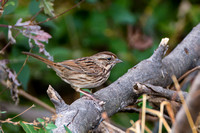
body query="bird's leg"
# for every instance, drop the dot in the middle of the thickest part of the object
(89, 95)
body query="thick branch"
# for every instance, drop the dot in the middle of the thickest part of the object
(83, 115)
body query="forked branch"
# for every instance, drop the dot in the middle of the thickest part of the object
(83, 114)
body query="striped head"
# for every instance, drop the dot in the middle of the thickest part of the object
(106, 59)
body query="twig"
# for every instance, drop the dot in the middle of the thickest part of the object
(131, 128)
(48, 19)
(104, 116)
(188, 72)
(170, 111)
(157, 91)
(132, 109)
(32, 98)
(161, 113)
(147, 129)
(1, 129)
(4, 48)
(22, 112)
(36, 100)
(23, 64)
(3, 2)
(143, 111)
(17, 123)
(160, 116)
(137, 126)
(32, 18)
(191, 122)
(116, 129)
(183, 76)
(8, 121)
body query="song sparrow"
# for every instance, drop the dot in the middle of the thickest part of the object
(85, 72)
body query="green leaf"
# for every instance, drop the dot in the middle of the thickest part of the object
(140, 104)
(50, 126)
(10, 7)
(24, 75)
(40, 120)
(67, 129)
(34, 7)
(27, 128)
(48, 7)
(3, 112)
(41, 130)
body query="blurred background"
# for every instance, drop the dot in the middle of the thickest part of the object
(132, 29)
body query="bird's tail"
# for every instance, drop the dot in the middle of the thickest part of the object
(46, 61)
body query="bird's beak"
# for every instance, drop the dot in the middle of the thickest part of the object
(118, 60)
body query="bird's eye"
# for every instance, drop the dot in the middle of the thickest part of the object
(109, 58)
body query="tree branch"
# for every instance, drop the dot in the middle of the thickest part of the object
(155, 71)
(158, 91)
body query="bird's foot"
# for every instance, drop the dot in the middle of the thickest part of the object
(89, 95)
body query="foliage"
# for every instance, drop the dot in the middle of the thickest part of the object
(47, 127)
(120, 26)
(67, 129)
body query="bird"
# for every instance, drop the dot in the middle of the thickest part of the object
(84, 72)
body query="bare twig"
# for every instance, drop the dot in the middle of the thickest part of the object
(33, 18)
(114, 128)
(137, 110)
(9, 43)
(32, 98)
(48, 19)
(1, 129)
(160, 116)
(161, 113)
(188, 72)
(36, 100)
(189, 117)
(23, 64)
(143, 111)
(170, 111)
(157, 91)
(22, 112)
(182, 124)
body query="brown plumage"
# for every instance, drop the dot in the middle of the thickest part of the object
(85, 72)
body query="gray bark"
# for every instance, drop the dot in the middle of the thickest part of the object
(84, 114)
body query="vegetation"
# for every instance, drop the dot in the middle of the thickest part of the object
(129, 28)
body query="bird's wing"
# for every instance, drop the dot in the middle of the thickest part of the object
(83, 66)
